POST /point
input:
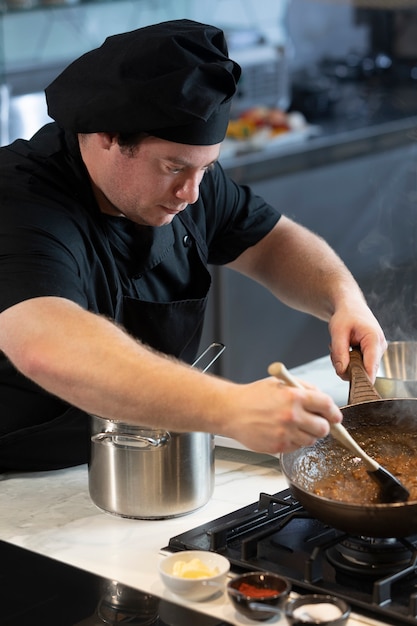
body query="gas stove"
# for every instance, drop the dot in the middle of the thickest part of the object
(377, 577)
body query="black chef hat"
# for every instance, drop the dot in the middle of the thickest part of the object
(173, 80)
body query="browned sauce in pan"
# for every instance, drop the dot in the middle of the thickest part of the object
(396, 451)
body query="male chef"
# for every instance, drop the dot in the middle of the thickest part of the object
(109, 217)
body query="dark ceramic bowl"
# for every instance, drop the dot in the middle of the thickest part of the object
(258, 595)
(316, 609)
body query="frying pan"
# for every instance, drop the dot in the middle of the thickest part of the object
(304, 467)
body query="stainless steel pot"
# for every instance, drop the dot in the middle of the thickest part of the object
(149, 474)
(142, 473)
(397, 373)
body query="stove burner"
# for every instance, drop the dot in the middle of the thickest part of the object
(370, 557)
(378, 577)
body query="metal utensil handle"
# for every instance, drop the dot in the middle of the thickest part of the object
(164, 439)
(220, 347)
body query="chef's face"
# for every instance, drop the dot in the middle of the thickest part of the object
(150, 183)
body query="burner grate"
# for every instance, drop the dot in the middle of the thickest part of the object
(277, 534)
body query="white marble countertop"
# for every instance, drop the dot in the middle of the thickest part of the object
(51, 513)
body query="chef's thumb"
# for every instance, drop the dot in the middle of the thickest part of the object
(340, 363)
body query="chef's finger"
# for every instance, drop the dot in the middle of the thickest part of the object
(311, 431)
(320, 404)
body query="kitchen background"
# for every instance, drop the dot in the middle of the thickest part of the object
(350, 67)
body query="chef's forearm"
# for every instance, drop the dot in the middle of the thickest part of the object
(301, 270)
(304, 272)
(94, 365)
(88, 361)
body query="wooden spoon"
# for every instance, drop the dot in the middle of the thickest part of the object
(392, 490)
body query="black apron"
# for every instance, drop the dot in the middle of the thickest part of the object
(173, 328)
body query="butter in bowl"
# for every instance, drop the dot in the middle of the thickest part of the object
(195, 575)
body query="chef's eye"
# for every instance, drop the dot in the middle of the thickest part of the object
(180, 169)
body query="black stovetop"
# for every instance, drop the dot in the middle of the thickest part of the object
(40, 591)
(277, 534)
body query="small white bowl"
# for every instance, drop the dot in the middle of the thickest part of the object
(195, 589)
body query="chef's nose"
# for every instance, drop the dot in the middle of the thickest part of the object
(189, 189)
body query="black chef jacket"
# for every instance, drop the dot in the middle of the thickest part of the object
(54, 241)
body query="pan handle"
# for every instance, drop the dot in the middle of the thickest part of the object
(360, 389)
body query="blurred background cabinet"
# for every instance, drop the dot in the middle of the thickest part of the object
(365, 208)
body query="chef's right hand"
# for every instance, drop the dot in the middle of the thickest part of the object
(275, 418)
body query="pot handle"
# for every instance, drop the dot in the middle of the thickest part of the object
(220, 347)
(361, 389)
(137, 441)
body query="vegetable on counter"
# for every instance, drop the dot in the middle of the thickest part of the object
(261, 127)
(257, 119)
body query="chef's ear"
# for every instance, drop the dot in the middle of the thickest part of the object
(106, 140)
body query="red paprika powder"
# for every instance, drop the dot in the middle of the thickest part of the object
(256, 592)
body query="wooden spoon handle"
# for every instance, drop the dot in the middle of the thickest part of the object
(338, 431)
(278, 370)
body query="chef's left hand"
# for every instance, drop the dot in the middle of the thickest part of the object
(355, 325)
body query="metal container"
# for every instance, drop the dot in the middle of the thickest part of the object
(149, 474)
(143, 473)
(397, 374)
